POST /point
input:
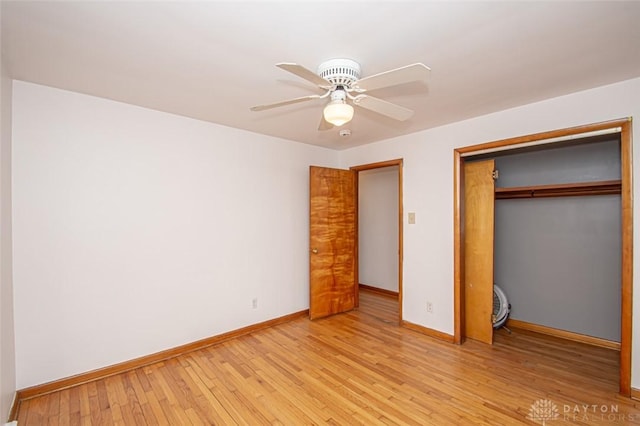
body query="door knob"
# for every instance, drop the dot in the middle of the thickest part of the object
(314, 251)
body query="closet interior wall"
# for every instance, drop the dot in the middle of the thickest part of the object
(558, 259)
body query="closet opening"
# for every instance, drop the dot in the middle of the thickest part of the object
(553, 231)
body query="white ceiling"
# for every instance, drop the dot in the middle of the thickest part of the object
(213, 60)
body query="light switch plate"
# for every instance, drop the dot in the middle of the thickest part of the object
(412, 218)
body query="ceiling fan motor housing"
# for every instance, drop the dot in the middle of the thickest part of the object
(340, 72)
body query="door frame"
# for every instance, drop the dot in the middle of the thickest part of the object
(397, 162)
(626, 162)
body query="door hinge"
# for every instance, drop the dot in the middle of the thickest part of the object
(495, 174)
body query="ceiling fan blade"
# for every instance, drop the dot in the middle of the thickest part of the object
(283, 103)
(383, 107)
(407, 74)
(324, 124)
(303, 72)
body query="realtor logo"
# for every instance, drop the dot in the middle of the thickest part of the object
(542, 411)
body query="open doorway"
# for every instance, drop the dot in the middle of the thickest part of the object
(379, 239)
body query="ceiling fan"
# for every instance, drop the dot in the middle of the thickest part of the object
(340, 78)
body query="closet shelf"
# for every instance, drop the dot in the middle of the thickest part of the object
(604, 187)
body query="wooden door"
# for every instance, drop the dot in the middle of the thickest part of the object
(478, 250)
(332, 242)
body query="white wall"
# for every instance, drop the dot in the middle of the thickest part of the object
(137, 231)
(7, 347)
(378, 228)
(428, 189)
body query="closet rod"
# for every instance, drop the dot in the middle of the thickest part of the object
(606, 187)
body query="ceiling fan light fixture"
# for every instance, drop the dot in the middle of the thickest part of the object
(340, 78)
(338, 112)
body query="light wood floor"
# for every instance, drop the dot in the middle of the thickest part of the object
(355, 368)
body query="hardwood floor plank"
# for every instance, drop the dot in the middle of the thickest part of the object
(173, 415)
(153, 409)
(354, 368)
(95, 411)
(300, 406)
(64, 410)
(210, 405)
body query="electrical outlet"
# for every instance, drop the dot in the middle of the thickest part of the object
(430, 307)
(254, 303)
